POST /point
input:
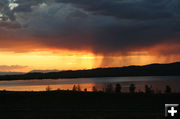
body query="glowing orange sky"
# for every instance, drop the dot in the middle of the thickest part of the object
(71, 60)
(26, 55)
(45, 60)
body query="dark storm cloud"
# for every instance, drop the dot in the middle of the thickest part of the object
(5, 10)
(8, 26)
(22, 6)
(104, 26)
(130, 9)
(26, 5)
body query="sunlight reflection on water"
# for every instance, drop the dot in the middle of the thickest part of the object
(158, 83)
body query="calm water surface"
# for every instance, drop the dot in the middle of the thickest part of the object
(157, 82)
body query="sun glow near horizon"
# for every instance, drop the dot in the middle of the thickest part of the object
(71, 60)
(45, 60)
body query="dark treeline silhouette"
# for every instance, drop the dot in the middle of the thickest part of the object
(110, 88)
(147, 70)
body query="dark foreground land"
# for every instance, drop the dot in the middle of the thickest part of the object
(83, 105)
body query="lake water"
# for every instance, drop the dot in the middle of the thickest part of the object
(157, 82)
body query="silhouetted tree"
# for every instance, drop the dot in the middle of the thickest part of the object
(118, 88)
(148, 89)
(132, 88)
(85, 90)
(48, 88)
(94, 89)
(78, 88)
(168, 89)
(74, 88)
(109, 88)
(4, 90)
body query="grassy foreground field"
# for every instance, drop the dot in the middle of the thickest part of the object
(83, 105)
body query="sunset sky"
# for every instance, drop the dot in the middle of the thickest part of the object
(86, 34)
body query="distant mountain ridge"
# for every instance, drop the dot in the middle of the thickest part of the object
(33, 71)
(11, 73)
(172, 69)
(43, 71)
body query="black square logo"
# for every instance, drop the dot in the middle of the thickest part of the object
(172, 111)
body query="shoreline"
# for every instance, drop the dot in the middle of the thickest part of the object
(84, 77)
